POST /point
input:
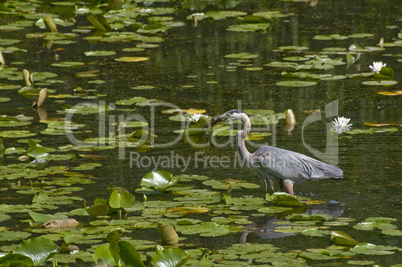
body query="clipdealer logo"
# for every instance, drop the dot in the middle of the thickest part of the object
(107, 127)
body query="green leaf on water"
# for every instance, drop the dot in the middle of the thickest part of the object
(330, 37)
(38, 249)
(342, 238)
(99, 53)
(159, 180)
(131, 101)
(380, 83)
(16, 134)
(121, 200)
(68, 64)
(15, 259)
(353, 262)
(98, 209)
(205, 229)
(296, 83)
(392, 232)
(372, 249)
(129, 255)
(308, 217)
(277, 64)
(385, 73)
(274, 209)
(99, 22)
(244, 55)
(249, 27)
(131, 59)
(360, 131)
(285, 200)
(104, 254)
(12, 235)
(170, 257)
(39, 218)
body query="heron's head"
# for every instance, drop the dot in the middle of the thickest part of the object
(230, 115)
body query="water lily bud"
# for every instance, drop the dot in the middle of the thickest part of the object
(290, 116)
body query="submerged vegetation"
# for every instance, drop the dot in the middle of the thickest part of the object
(51, 147)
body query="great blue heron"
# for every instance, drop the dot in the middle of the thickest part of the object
(268, 162)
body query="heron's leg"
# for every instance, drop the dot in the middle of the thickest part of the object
(288, 185)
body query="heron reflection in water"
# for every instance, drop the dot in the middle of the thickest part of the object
(271, 163)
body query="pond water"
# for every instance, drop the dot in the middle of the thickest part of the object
(185, 64)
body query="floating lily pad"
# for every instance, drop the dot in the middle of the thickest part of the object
(216, 15)
(68, 64)
(143, 87)
(392, 232)
(131, 59)
(86, 108)
(292, 48)
(244, 55)
(11, 235)
(372, 249)
(296, 83)
(16, 134)
(285, 200)
(360, 131)
(99, 53)
(274, 209)
(330, 37)
(380, 83)
(358, 263)
(308, 217)
(342, 238)
(131, 101)
(210, 229)
(4, 217)
(382, 223)
(395, 93)
(159, 180)
(250, 27)
(277, 64)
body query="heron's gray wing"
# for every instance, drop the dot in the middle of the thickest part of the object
(294, 166)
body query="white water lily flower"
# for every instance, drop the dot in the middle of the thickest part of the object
(377, 66)
(341, 125)
(196, 117)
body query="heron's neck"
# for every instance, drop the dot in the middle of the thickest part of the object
(241, 137)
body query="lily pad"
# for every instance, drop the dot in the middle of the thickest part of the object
(250, 27)
(159, 180)
(38, 249)
(372, 249)
(342, 238)
(121, 200)
(99, 53)
(380, 83)
(12, 235)
(16, 134)
(170, 257)
(244, 55)
(209, 229)
(296, 83)
(68, 64)
(285, 200)
(131, 59)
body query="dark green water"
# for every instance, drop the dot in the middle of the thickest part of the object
(181, 70)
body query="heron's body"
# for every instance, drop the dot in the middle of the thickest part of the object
(287, 166)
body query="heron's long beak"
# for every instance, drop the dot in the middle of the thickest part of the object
(216, 121)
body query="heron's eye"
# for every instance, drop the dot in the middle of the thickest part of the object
(265, 155)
